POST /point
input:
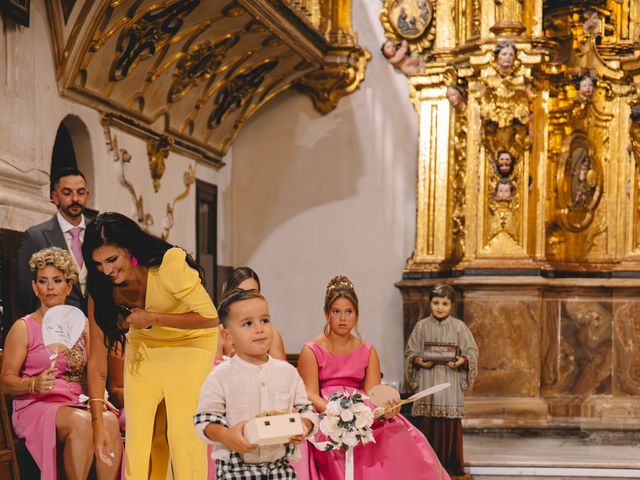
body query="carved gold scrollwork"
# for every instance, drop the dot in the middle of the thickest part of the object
(147, 33)
(459, 174)
(200, 64)
(634, 133)
(505, 110)
(579, 184)
(158, 151)
(327, 86)
(238, 90)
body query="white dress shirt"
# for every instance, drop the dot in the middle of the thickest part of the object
(65, 226)
(237, 390)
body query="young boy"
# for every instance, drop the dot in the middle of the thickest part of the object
(442, 412)
(243, 387)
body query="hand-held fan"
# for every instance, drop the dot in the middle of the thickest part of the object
(381, 394)
(62, 326)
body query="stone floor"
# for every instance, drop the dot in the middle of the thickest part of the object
(491, 458)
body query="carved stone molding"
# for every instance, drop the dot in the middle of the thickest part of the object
(123, 158)
(22, 203)
(188, 178)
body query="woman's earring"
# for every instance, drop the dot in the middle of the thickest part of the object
(134, 261)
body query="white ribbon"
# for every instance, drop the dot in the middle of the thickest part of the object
(348, 464)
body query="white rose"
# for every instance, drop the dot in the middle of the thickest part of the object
(325, 425)
(361, 422)
(333, 408)
(366, 417)
(359, 407)
(350, 439)
(346, 415)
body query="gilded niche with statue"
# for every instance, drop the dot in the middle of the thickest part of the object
(554, 109)
(528, 198)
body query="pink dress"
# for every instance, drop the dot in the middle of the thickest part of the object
(400, 450)
(34, 416)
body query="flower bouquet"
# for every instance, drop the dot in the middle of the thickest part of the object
(346, 422)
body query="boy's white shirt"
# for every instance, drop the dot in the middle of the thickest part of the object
(238, 390)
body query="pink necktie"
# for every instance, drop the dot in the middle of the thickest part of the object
(76, 246)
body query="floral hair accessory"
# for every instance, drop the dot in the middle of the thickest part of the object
(339, 282)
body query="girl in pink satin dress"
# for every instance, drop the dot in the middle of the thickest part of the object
(337, 360)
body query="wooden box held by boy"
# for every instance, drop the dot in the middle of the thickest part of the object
(274, 429)
(439, 352)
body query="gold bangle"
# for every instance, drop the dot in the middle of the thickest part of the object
(32, 385)
(96, 400)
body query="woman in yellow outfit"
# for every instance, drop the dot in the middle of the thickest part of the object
(140, 283)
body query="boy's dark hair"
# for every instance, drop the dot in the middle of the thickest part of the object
(442, 290)
(65, 172)
(234, 296)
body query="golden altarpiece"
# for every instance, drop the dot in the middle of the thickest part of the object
(528, 198)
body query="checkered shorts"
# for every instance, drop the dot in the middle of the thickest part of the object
(237, 469)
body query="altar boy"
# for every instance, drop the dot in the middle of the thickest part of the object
(441, 414)
(245, 386)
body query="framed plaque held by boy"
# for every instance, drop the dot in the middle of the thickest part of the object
(439, 352)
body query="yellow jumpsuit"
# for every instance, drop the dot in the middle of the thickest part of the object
(169, 364)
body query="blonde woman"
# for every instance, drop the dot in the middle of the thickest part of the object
(47, 412)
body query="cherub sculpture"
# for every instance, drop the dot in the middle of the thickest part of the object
(505, 55)
(456, 98)
(586, 84)
(400, 57)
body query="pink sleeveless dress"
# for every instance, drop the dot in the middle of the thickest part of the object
(400, 450)
(34, 416)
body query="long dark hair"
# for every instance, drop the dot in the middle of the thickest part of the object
(111, 228)
(237, 276)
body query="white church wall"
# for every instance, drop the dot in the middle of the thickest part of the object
(31, 111)
(314, 196)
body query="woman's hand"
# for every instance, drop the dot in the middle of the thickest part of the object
(102, 444)
(140, 318)
(422, 364)
(43, 383)
(458, 363)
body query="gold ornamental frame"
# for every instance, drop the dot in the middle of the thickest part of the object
(578, 197)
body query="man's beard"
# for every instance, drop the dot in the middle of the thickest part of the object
(71, 213)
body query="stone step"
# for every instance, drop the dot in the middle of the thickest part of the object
(528, 477)
(551, 473)
(496, 458)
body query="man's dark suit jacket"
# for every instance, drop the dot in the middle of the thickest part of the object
(47, 234)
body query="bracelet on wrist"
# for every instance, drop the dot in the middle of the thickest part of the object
(96, 400)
